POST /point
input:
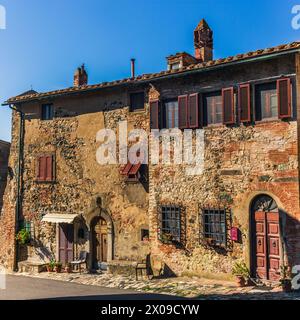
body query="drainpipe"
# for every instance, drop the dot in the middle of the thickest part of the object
(19, 171)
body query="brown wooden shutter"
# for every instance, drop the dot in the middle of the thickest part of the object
(154, 114)
(193, 110)
(245, 102)
(41, 171)
(49, 168)
(183, 111)
(228, 105)
(284, 98)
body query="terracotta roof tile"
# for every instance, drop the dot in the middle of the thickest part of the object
(197, 66)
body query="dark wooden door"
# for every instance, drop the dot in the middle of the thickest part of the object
(66, 236)
(99, 242)
(267, 245)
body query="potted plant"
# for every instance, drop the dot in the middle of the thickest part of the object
(286, 278)
(241, 272)
(58, 267)
(50, 266)
(68, 268)
(23, 237)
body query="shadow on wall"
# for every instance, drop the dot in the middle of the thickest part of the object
(290, 232)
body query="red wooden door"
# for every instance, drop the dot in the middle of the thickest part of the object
(66, 236)
(267, 245)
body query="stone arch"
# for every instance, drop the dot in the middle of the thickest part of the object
(265, 235)
(99, 212)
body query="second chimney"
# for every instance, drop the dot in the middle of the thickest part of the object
(80, 77)
(132, 68)
(203, 42)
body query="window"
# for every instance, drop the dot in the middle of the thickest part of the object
(171, 109)
(137, 101)
(45, 168)
(214, 226)
(170, 224)
(175, 66)
(27, 226)
(214, 108)
(47, 111)
(266, 101)
(144, 234)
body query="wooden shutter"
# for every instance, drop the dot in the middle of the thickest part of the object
(49, 168)
(154, 114)
(284, 98)
(193, 110)
(41, 168)
(183, 111)
(245, 102)
(228, 105)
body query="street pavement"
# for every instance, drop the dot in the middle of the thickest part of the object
(27, 288)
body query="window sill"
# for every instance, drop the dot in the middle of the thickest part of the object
(267, 120)
(139, 111)
(45, 182)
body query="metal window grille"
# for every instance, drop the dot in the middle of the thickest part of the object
(170, 224)
(214, 226)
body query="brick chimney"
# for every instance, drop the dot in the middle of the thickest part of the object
(80, 77)
(203, 42)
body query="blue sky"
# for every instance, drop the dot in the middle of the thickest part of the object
(46, 40)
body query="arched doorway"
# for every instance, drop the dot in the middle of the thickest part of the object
(99, 242)
(265, 239)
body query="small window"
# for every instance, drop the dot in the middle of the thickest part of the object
(171, 109)
(144, 234)
(137, 101)
(214, 108)
(27, 226)
(45, 168)
(214, 226)
(170, 224)
(175, 66)
(266, 101)
(47, 111)
(80, 234)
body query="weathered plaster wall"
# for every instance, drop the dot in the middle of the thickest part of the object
(71, 137)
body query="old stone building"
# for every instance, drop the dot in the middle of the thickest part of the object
(244, 204)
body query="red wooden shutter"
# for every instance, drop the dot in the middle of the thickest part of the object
(49, 168)
(193, 110)
(183, 111)
(41, 172)
(154, 114)
(284, 98)
(245, 103)
(228, 105)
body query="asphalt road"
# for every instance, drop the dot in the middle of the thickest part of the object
(27, 288)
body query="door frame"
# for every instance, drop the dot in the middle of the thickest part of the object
(94, 252)
(58, 241)
(252, 232)
(103, 213)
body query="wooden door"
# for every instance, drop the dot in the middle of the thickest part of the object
(267, 245)
(99, 242)
(66, 236)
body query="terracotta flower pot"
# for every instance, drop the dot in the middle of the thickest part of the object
(241, 282)
(57, 269)
(49, 268)
(68, 269)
